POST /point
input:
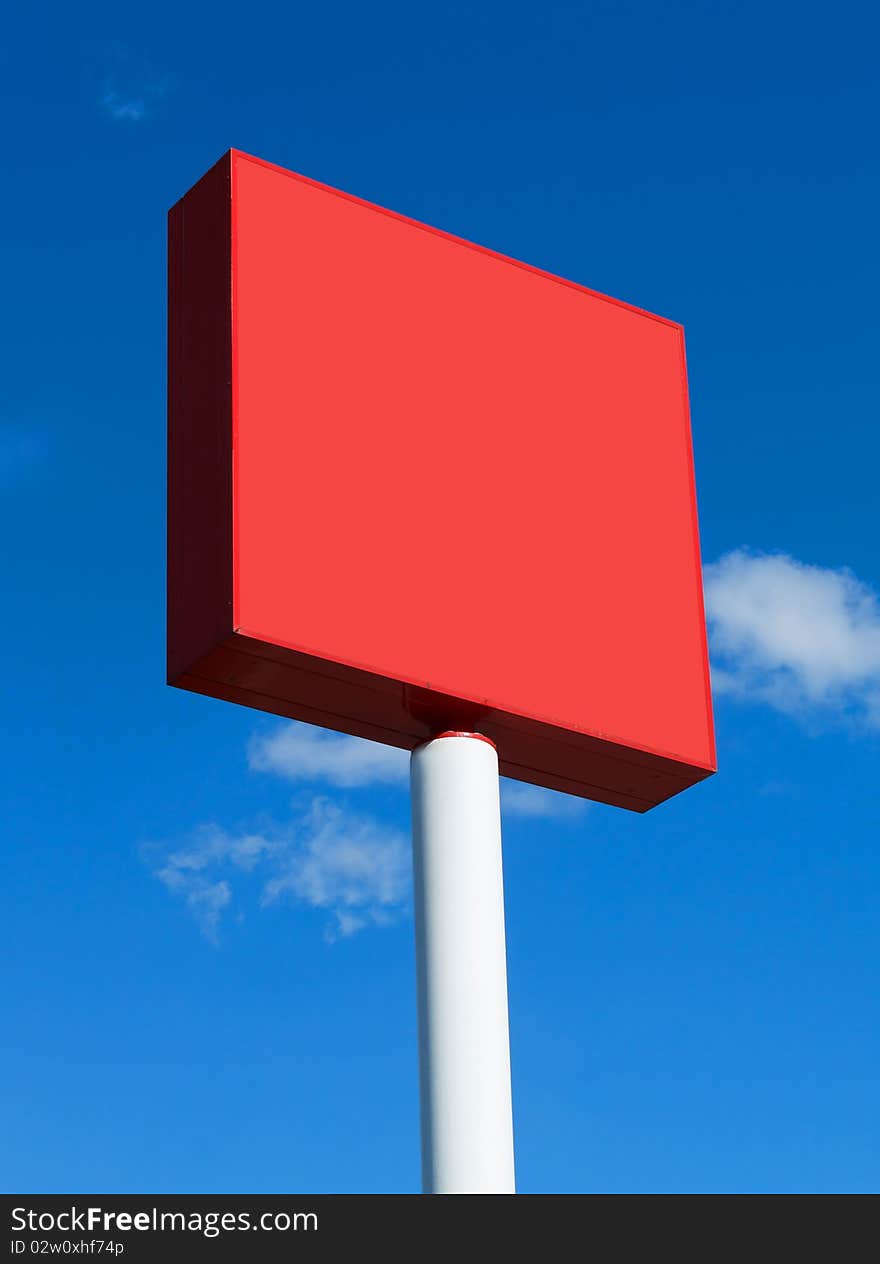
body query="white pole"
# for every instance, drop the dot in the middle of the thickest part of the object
(464, 1043)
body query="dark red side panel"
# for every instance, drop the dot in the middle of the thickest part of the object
(199, 421)
(335, 696)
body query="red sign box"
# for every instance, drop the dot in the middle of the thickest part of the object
(415, 485)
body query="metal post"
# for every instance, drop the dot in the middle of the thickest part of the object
(464, 1043)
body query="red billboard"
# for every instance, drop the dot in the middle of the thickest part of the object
(415, 485)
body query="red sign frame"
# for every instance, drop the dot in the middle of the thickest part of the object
(415, 485)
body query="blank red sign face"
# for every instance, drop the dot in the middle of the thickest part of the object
(416, 485)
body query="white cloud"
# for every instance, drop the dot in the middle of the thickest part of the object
(211, 845)
(300, 752)
(131, 90)
(537, 804)
(129, 109)
(349, 865)
(206, 900)
(804, 639)
(353, 866)
(191, 872)
(303, 753)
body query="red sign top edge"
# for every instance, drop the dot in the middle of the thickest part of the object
(441, 232)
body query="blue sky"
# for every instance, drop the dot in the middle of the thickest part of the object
(207, 960)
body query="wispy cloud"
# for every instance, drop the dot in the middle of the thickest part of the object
(131, 90)
(348, 865)
(356, 868)
(193, 871)
(536, 804)
(803, 639)
(300, 752)
(122, 108)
